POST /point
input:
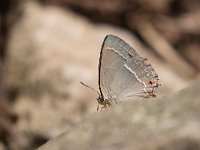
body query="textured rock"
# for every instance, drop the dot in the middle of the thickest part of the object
(171, 122)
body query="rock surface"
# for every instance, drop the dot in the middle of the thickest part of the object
(170, 122)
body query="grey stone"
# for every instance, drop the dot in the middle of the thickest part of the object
(169, 122)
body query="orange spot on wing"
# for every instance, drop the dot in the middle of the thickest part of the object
(150, 82)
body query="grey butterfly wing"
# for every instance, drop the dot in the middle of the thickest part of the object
(122, 72)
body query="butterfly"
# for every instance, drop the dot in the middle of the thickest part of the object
(123, 74)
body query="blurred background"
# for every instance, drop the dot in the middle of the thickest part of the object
(48, 46)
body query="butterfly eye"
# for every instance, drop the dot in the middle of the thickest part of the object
(100, 99)
(150, 82)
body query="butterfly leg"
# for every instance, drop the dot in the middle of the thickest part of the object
(103, 107)
(98, 107)
(106, 105)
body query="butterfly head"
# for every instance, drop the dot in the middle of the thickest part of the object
(101, 100)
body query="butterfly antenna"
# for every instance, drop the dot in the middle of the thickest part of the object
(89, 87)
